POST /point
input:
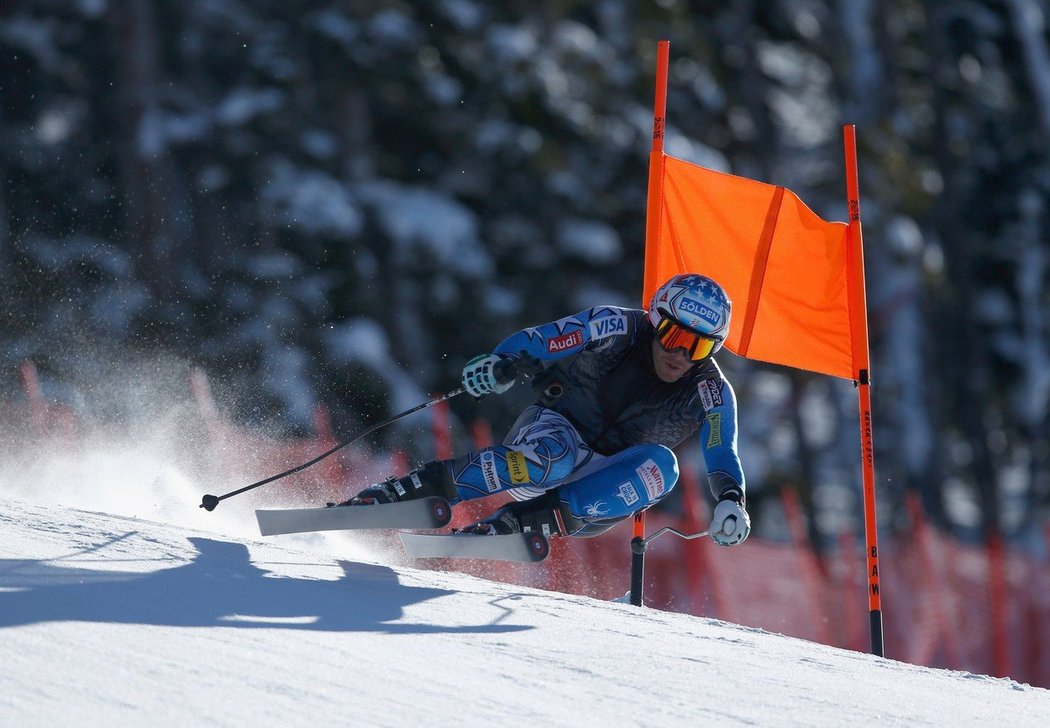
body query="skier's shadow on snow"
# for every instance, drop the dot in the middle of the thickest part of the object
(219, 587)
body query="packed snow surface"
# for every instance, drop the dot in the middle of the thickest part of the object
(116, 618)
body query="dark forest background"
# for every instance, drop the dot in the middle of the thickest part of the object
(344, 201)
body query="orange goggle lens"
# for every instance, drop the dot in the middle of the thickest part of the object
(672, 336)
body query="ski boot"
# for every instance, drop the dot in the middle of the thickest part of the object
(430, 480)
(544, 514)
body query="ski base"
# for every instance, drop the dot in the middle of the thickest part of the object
(433, 512)
(527, 547)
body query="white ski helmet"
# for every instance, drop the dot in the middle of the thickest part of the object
(694, 302)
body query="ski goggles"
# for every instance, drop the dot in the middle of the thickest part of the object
(675, 336)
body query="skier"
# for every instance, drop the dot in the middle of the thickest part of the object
(618, 388)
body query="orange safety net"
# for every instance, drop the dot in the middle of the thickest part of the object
(783, 267)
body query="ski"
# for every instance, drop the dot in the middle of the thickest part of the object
(433, 512)
(530, 546)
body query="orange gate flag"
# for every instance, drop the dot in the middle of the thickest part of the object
(784, 268)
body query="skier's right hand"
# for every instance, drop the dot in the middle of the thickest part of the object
(730, 523)
(483, 375)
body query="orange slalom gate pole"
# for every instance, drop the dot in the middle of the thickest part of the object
(653, 209)
(862, 380)
(652, 229)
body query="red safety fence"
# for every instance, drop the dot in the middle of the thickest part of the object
(946, 604)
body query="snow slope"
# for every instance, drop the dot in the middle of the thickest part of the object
(110, 619)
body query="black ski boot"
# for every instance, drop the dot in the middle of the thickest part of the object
(544, 514)
(429, 480)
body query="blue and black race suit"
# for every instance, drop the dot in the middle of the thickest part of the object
(603, 424)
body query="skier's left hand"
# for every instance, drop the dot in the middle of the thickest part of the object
(730, 523)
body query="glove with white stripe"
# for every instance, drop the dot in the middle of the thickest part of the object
(730, 523)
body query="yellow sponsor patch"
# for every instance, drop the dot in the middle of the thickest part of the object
(714, 421)
(518, 467)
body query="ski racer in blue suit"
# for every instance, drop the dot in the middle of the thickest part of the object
(617, 389)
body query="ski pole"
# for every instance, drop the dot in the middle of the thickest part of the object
(505, 371)
(208, 502)
(638, 547)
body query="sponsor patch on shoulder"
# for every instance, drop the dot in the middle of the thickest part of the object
(565, 341)
(608, 326)
(710, 393)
